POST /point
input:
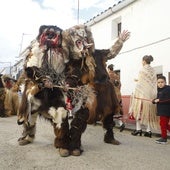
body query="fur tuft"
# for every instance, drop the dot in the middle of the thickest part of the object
(58, 115)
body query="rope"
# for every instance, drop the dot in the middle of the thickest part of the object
(143, 99)
(161, 101)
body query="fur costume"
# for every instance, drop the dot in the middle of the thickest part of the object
(115, 80)
(49, 100)
(2, 98)
(76, 78)
(11, 102)
(77, 41)
(105, 104)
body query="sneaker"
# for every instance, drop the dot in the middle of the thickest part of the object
(161, 141)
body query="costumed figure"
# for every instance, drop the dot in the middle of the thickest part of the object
(11, 102)
(115, 79)
(107, 103)
(2, 98)
(45, 89)
(44, 65)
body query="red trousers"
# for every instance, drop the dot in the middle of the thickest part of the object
(164, 124)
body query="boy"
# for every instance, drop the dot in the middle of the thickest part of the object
(163, 108)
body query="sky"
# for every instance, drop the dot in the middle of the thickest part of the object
(21, 19)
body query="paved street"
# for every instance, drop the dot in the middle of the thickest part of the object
(135, 153)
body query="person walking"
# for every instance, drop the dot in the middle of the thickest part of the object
(141, 106)
(163, 108)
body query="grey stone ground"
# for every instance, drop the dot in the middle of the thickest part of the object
(135, 153)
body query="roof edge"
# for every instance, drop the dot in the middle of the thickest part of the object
(108, 12)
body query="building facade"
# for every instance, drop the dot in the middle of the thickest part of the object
(16, 69)
(147, 20)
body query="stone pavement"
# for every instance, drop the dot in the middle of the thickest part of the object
(134, 153)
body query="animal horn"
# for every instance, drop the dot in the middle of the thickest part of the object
(88, 45)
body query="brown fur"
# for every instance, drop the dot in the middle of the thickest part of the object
(31, 88)
(2, 98)
(11, 102)
(104, 104)
(71, 35)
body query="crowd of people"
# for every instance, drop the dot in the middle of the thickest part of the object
(149, 105)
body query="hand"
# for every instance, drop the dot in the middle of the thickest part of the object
(124, 35)
(155, 101)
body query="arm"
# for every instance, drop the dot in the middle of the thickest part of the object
(163, 97)
(115, 49)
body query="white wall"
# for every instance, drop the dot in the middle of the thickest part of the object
(148, 22)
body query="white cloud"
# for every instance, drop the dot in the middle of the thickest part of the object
(26, 16)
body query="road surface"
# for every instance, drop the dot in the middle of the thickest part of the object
(135, 153)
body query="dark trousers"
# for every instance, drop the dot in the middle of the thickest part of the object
(164, 124)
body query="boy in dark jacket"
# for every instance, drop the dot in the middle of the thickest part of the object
(163, 108)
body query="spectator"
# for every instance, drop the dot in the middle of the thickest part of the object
(115, 79)
(141, 107)
(163, 108)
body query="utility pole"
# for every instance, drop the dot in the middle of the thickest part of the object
(21, 44)
(78, 12)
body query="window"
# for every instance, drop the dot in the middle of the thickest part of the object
(119, 28)
(116, 27)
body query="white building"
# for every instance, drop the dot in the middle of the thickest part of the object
(5, 68)
(16, 69)
(148, 22)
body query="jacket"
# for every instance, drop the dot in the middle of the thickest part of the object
(163, 106)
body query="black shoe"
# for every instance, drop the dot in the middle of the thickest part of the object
(148, 134)
(137, 132)
(3, 115)
(161, 141)
(122, 127)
